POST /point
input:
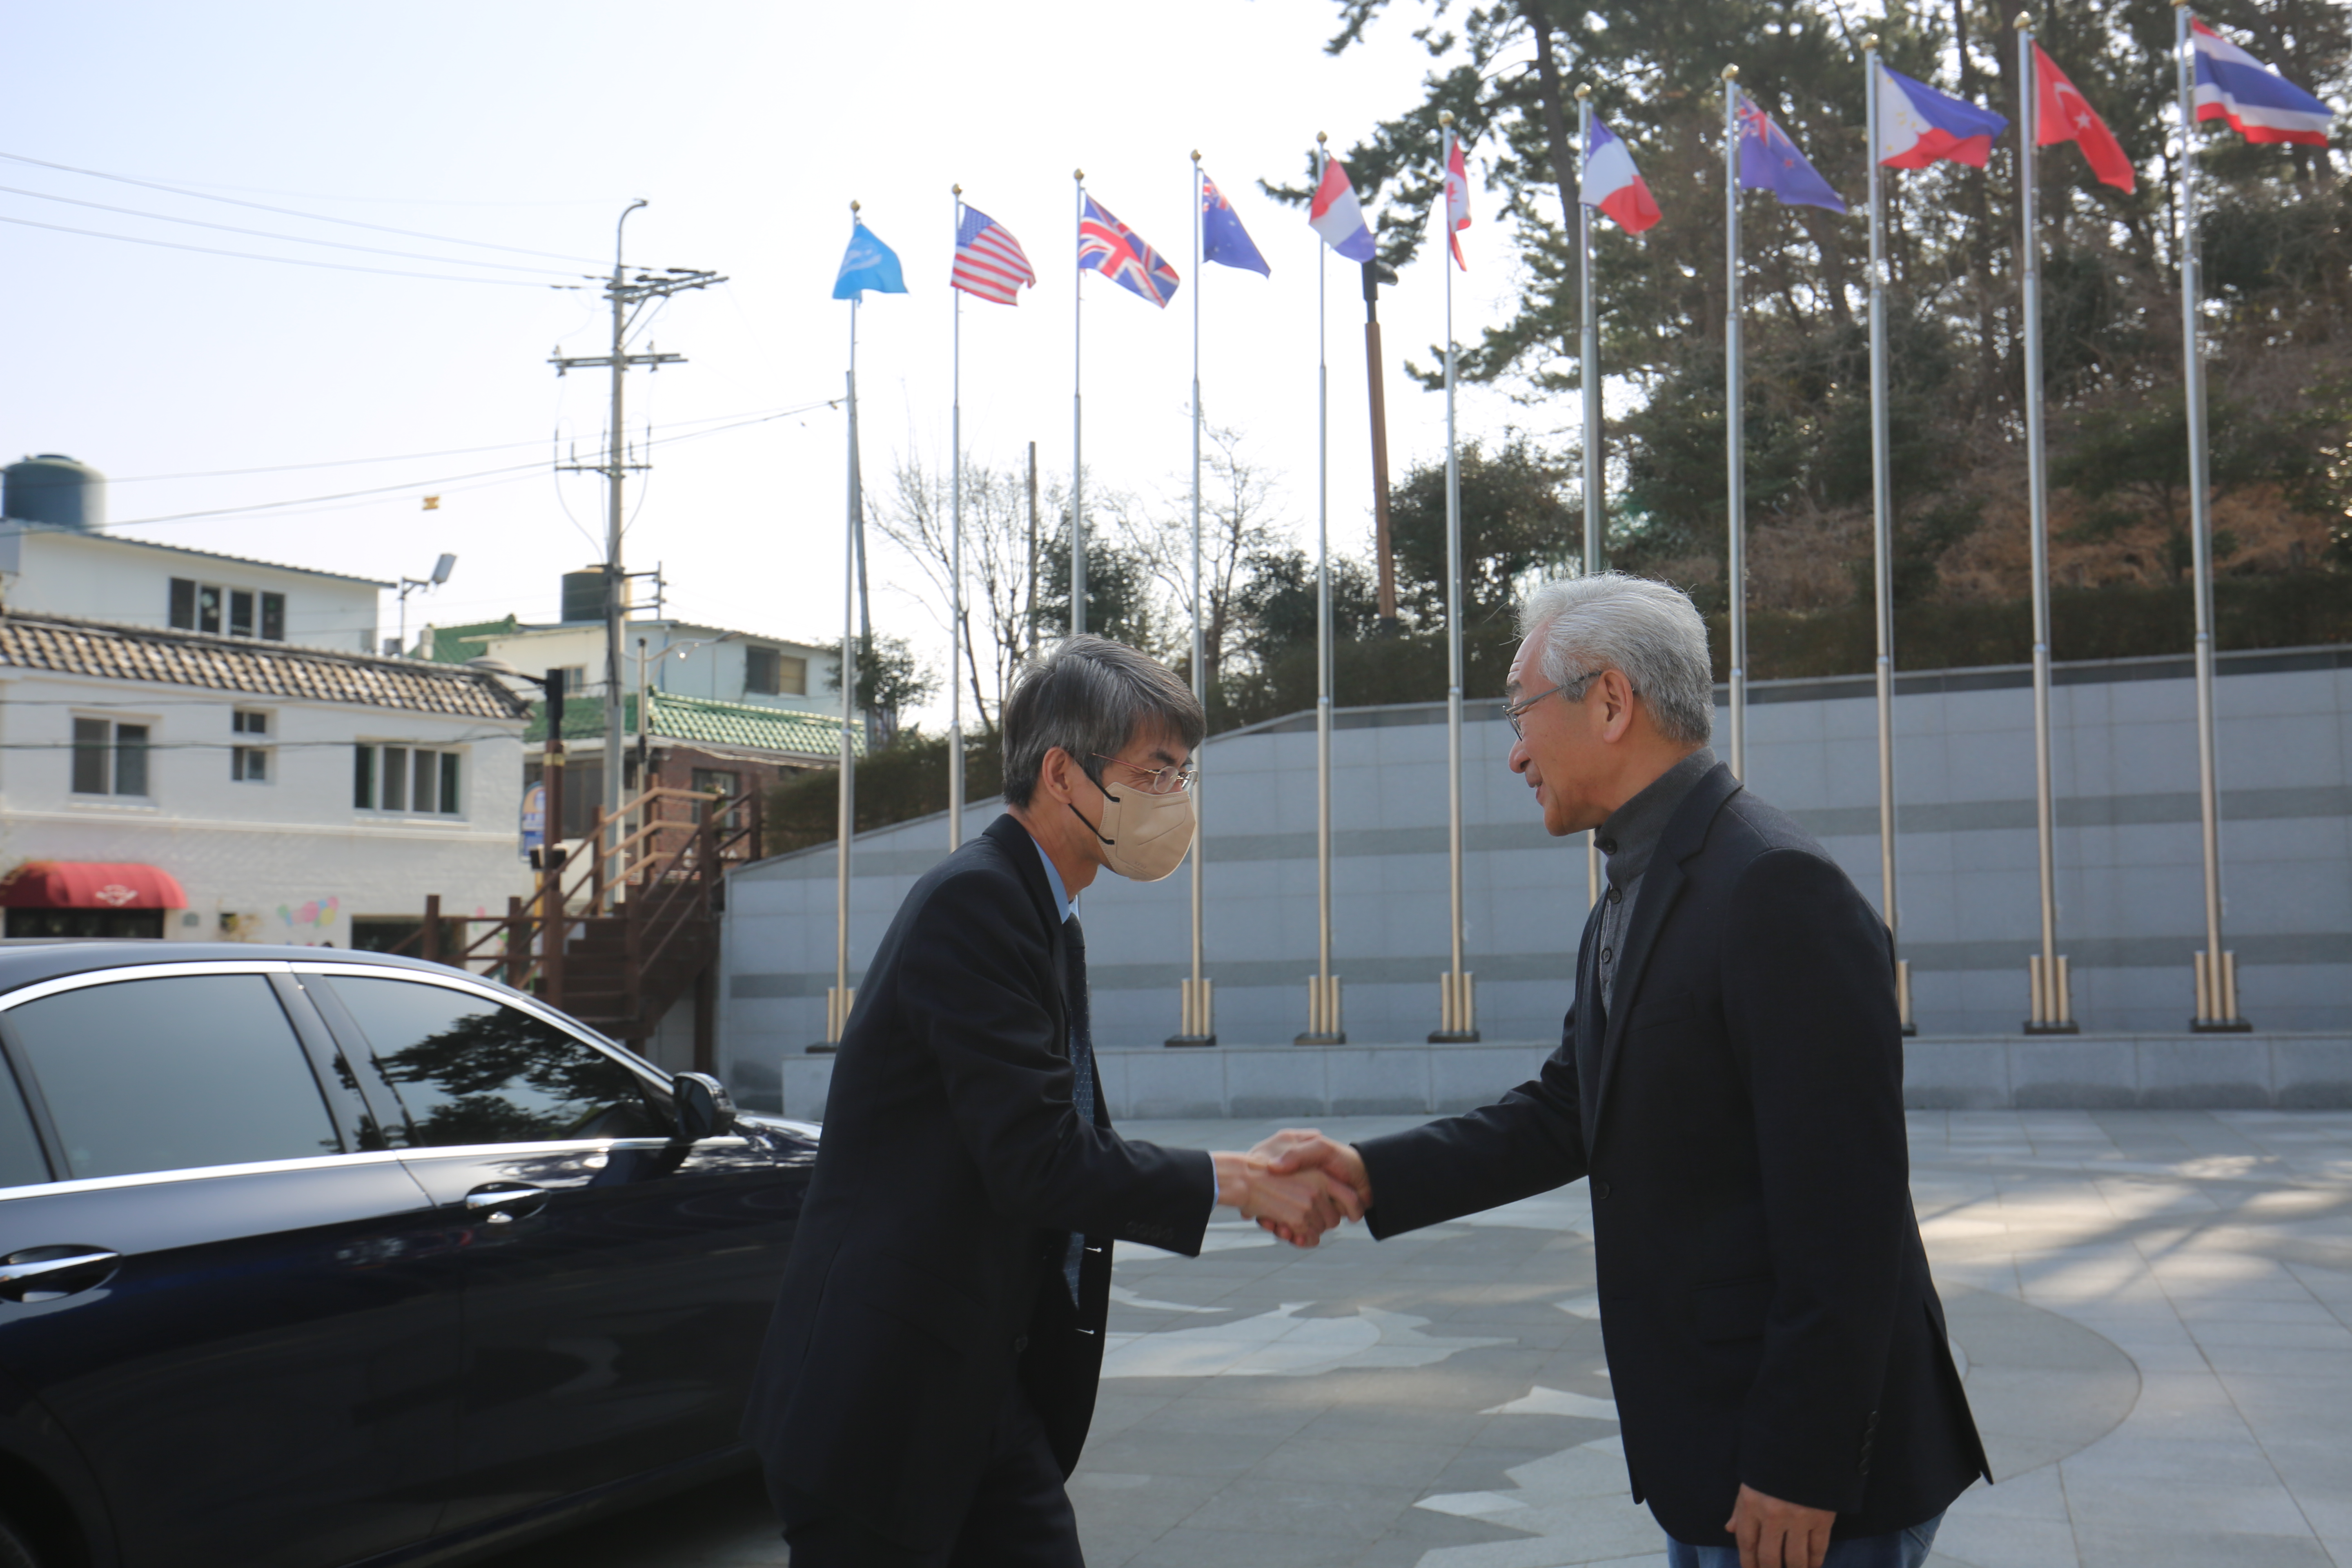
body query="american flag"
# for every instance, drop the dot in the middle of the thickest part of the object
(988, 261)
(1119, 253)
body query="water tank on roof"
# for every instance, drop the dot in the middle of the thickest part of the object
(54, 489)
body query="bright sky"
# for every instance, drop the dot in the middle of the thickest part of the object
(750, 128)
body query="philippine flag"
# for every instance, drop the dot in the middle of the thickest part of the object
(2260, 104)
(1338, 216)
(1917, 125)
(1613, 186)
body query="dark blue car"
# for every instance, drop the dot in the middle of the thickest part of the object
(312, 1258)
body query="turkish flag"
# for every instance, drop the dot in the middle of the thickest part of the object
(2061, 115)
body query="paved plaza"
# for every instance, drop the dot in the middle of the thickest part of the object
(2153, 1310)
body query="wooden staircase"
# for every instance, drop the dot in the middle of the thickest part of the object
(625, 931)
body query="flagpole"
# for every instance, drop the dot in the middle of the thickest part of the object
(837, 1001)
(1198, 1026)
(1323, 1026)
(1458, 1010)
(2216, 968)
(1881, 492)
(1077, 427)
(955, 572)
(1734, 426)
(2053, 1008)
(1589, 351)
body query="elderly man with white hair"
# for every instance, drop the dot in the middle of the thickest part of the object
(1729, 1081)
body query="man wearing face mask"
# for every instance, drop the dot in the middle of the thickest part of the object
(929, 1374)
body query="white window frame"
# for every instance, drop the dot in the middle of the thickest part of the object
(112, 753)
(410, 756)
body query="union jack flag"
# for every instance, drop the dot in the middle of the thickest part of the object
(989, 262)
(1119, 253)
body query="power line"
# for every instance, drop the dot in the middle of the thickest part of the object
(267, 234)
(294, 212)
(289, 260)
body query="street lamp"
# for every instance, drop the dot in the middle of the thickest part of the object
(441, 570)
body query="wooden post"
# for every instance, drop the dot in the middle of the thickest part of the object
(430, 950)
(757, 848)
(596, 863)
(518, 943)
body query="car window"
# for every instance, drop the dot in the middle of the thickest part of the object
(470, 1070)
(21, 1164)
(179, 1071)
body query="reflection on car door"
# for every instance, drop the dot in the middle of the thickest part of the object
(617, 1281)
(258, 1349)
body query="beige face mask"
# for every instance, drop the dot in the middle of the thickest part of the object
(1144, 837)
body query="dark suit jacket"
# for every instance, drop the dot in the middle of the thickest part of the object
(926, 1274)
(1764, 1296)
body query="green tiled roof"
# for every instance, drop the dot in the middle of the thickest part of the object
(456, 645)
(701, 721)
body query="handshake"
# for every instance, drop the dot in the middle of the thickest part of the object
(1296, 1184)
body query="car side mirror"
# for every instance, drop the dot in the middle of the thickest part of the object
(705, 1108)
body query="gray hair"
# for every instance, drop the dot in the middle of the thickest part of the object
(1648, 631)
(1090, 696)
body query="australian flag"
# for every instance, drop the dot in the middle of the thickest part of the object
(1119, 253)
(1223, 238)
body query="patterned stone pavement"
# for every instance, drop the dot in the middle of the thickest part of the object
(2154, 1309)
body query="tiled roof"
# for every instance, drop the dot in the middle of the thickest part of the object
(750, 726)
(114, 652)
(456, 645)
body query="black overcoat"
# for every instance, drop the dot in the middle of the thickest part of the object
(1764, 1296)
(926, 1274)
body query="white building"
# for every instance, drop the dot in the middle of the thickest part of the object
(285, 793)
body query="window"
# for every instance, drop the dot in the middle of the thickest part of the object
(21, 1161)
(108, 758)
(200, 606)
(414, 779)
(111, 925)
(162, 1075)
(249, 764)
(770, 672)
(707, 780)
(575, 677)
(468, 1070)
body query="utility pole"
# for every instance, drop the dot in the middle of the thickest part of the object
(629, 296)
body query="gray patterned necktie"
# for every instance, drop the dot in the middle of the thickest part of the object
(1081, 1063)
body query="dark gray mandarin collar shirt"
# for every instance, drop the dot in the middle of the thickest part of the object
(1628, 839)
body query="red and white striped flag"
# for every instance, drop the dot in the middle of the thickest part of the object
(988, 261)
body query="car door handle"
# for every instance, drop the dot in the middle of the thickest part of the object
(500, 1205)
(43, 1272)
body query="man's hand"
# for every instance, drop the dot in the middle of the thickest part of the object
(1775, 1535)
(1296, 1206)
(1296, 1149)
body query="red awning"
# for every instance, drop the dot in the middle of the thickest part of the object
(90, 884)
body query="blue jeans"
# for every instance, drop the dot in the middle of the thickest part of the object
(1897, 1549)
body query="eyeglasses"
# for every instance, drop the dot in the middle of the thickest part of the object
(1573, 689)
(1158, 781)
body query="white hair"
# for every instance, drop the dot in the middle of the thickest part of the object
(1648, 631)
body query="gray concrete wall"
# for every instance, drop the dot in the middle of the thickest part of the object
(2130, 912)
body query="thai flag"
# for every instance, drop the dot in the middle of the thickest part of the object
(1119, 253)
(2260, 104)
(989, 262)
(1917, 125)
(1338, 216)
(1613, 186)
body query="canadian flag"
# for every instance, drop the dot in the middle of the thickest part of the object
(1457, 198)
(2061, 114)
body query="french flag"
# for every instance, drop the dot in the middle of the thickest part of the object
(2260, 104)
(1338, 216)
(1613, 186)
(1917, 125)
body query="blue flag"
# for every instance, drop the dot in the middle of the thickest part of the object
(1768, 161)
(1223, 238)
(867, 264)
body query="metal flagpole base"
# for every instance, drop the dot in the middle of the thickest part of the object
(1198, 1027)
(1458, 1010)
(1323, 1026)
(838, 1001)
(2217, 1005)
(2053, 1005)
